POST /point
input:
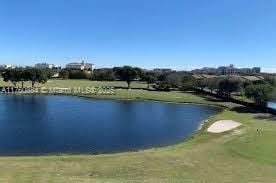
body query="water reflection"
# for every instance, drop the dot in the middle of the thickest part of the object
(55, 124)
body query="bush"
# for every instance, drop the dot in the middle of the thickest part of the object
(162, 86)
(103, 75)
(79, 74)
(64, 74)
(188, 83)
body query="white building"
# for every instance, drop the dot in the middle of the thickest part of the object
(44, 66)
(81, 66)
(7, 66)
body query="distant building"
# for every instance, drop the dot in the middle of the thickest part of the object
(44, 66)
(246, 71)
(256, 70)
(230, 70)
(205, 70)
(81, 66)
(89, 66)
(7, 67)
(227, 70)
(162, 70)
(77, 66)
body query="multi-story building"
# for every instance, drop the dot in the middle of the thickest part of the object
(228, 70)
(44, 66)
(205, 70)
(256, 69)
(81, 66)
(246, 71)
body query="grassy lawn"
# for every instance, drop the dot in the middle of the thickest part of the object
(134, 94)
(80, 83)
(243, 155)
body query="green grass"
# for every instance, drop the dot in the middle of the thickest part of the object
(259, 146)
(79, 83)
(243, 155)
(132, 94)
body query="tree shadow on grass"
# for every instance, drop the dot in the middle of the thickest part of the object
(265, 116)
(257, 114)
(210, 98)
(245, 109)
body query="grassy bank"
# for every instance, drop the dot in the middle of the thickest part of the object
(136, 93)
(80, 83)
(243, 155)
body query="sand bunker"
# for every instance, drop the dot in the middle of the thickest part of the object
(223, 126)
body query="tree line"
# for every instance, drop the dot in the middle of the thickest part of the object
(125, 73)
(260, 91)
(75, 74)
(22, 75)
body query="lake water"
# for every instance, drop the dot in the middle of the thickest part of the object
(35, 125)
(272, 105)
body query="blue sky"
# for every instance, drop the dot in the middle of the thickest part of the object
(180, 34)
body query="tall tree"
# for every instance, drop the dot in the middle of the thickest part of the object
(22, 75)
(150, 78)
(188, 83)
(229, 85)
(259, 93)
(11, 75)
(128, 73)
(26, 74)
(37, 75)
(201, 83)
(212, 84)
(174, 79)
